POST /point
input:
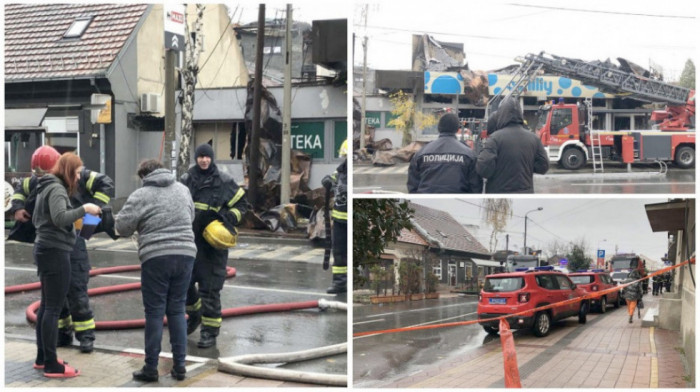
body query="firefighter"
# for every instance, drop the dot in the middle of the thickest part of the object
(340, 223)
(656, 282)
(219, 206)
(93, 187)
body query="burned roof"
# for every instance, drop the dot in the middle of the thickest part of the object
(445, 231)
(37, 45)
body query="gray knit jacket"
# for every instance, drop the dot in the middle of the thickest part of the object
(161, 212)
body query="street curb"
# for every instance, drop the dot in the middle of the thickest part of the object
(606, 176)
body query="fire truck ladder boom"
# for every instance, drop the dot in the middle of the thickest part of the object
(608, 79)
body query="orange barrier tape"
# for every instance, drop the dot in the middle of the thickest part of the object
(597, 294)
(510, 358)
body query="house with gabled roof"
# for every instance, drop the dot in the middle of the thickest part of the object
(457, 258)
(58, 55)
(441, 245)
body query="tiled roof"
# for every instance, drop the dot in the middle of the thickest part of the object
(411, 237)
(35, 47)
(443, 227)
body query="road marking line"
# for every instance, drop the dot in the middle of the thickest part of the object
(415, 310)
(418, 325)
(100, 243)
(122, 246)
(285, 250)
(367, 322)
(313, 254)
(226, 285)
(654, 377)
(633, 183)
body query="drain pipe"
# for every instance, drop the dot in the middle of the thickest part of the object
(240, 365)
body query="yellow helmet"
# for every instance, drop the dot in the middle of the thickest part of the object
(343, 151)
(218, 236)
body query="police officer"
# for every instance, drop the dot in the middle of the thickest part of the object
(216, 197)
(93, 187)
(340, 223)
(444, 165)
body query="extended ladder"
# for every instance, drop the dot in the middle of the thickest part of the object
(596, 144)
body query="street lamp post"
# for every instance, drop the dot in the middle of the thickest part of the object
(525, 237)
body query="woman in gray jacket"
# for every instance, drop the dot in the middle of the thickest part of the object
(161, 212)
(55, 237)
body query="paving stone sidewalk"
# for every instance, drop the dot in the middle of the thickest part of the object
(607, 352)
(110, 367)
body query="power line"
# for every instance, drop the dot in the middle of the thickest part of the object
(600, 12)
(444, 33)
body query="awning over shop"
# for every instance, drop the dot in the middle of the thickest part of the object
(668, 216)
(486, 263)
(29, 118)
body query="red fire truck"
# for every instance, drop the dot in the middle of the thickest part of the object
(566, 129)
(622, 264)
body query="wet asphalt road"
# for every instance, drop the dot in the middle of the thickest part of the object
(257, 282)
(380, 359)
(645, 178)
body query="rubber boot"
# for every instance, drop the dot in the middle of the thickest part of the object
(206, 340)
(193, 321)
(86, 345)
(339, 284)
(65, 337)
(631, 317)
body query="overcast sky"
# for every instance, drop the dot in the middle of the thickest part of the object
(622, 223)
(496, 31)
(304, 11)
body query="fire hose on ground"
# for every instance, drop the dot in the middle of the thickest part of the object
(234, 365)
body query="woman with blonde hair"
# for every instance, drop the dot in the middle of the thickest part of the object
(55, 236)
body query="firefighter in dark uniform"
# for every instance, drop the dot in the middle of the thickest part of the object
(340, 224)
(93, 187)
(656, 282)
(444, 165)
(217, 198)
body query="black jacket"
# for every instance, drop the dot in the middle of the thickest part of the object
(216, 196)
(444, 165)
(511, 154)
(340, 204)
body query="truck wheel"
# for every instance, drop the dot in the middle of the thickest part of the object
(582, 313)
(603, 305)
(490, 330)
(542, 324)
(572, 159)
(685, 157)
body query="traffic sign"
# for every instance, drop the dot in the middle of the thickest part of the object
(601, 253)
(174, 26)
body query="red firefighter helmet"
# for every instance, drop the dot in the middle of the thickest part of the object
(44, 159)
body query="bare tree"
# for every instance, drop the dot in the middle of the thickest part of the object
(556, 247)
(189, 73)
(497, 212)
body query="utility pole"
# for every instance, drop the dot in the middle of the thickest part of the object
(169, 157)
(287, 113)
(363, 124)
(254, 172)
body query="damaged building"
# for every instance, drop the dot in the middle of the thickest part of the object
(440, 79)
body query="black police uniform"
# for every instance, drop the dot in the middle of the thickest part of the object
(444, 165)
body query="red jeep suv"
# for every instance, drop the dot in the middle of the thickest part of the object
(521, 291)
(597, 280)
